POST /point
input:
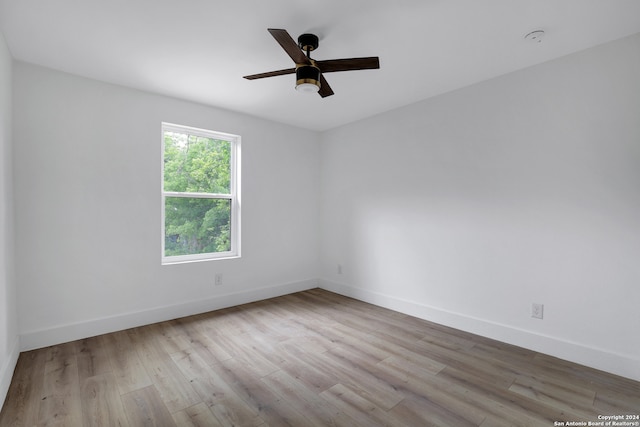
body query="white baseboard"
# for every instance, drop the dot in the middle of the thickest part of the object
(7, 369)
(64, 333)
(618, 364)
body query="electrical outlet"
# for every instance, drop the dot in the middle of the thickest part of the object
(537, 310)
(218, 280)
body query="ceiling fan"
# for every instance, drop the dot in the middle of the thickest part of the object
(309, 72)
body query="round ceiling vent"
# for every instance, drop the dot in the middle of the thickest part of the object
(535, 36)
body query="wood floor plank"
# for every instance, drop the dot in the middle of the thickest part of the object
(308, 312)
(22, 405)
(270, 407)
(170, 336)
(362, 380)
(502, 352)
(405, 369)
(127, 367)
(559, 395)
(196, 416)
(207, 347)
(359, 344)
(410, 354)
(312, 358)
(221, 399)
(174, 389)
(204, 379)
(423, 412)
(281, 321)
(509, 405)
(316, 409)
(263, 326)
(280, 413)
(60, 404)
(313, 376)
(387, 321)
(491, 370)
(144, 407)
(418, 383)
(323, 337)
(419, 390)
(252, 359)
(471, 403)
(447, 339)
(93, 358)
(101, 403)
(246, 383)
(491, 421)
(584, 375)
(609, 401)
(363, 411)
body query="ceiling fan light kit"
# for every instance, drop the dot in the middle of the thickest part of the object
(307, 79)
(309, 72)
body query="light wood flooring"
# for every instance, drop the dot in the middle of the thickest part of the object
(308, 359)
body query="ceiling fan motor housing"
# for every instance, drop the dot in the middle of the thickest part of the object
(308, 42)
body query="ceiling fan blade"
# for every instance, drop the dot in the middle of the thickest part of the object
(289, 45)
(332, 65)
(270, 74)
(325, 89)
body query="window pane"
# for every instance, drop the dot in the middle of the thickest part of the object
(196, 226)
(196, 164)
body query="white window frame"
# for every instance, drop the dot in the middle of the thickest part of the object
(234, 194)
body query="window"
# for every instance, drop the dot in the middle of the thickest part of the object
(200, 194)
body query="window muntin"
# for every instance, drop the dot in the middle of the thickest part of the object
(200, 194)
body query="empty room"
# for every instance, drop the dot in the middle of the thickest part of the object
(304, 213)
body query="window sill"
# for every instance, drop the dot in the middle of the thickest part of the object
(189, 261)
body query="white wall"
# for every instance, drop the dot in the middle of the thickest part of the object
(468, 207)
(8, 314)
(87, 193)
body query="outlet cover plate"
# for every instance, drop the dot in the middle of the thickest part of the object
(537, 310)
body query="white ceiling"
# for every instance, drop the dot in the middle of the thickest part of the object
(199, 50)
